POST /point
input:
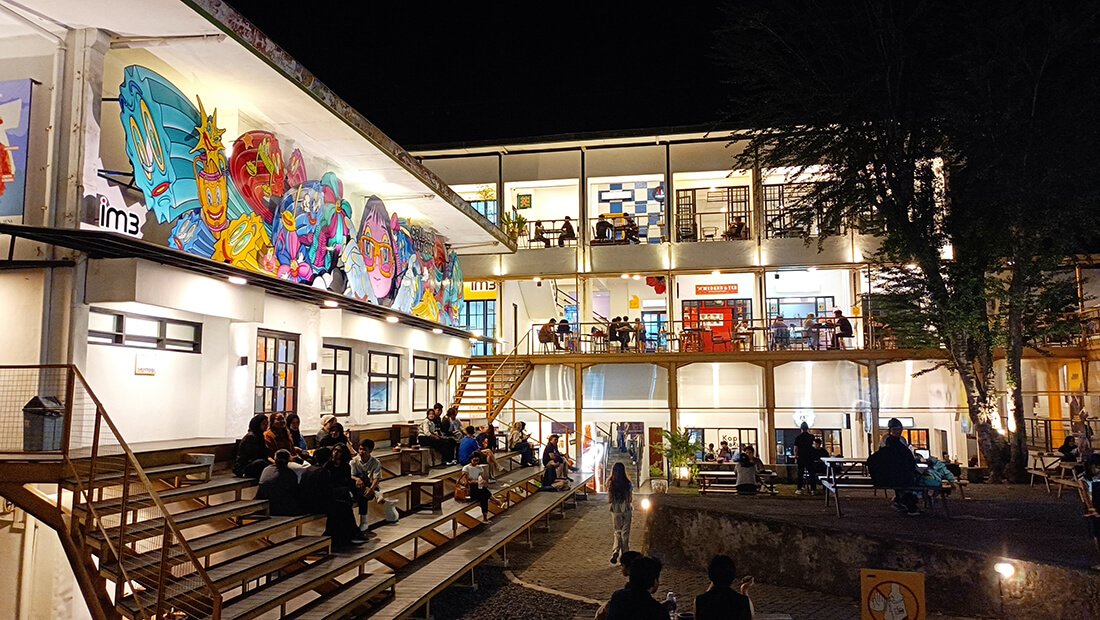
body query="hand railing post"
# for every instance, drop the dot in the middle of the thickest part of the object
(70, 390)
(162, 575)
(120, 549)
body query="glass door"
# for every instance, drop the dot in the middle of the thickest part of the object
(481, 316)
(276, 372)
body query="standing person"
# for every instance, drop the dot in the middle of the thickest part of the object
(1084, 436)
(520, 440)
(620, 494)
(842, 329)
(804, 456)
(635, 601)
(479, 480)
(621, 437)
(721, 601)
(366, 473)
(252, 453)
(431, 436)
(567, 232)
(639, 334)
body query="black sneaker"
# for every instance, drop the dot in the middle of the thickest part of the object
(615, 558)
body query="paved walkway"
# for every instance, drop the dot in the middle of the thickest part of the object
(575, 559)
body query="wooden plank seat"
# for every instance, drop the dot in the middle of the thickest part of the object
(209, 544)
(154, 527)
(233, 573)
(176, 471)
(350, 597)
(213, 486)
(416, 588)
(863, 482)
(722, 481)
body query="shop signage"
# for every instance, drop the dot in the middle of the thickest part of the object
(715, 289)
(481, 289)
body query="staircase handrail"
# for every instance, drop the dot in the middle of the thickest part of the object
(132, 462)
(541, 414)
(507, 357)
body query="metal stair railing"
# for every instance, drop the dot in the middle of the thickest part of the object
(101, 466)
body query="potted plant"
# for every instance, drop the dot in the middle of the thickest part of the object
(657, 480)
(680, 449)
(512, 223)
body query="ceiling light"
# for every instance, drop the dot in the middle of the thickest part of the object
(329, 303)
(625, 276)
(392, 319)
(238, 280)
(636, 277)
(536, 279)
(437, 330)
(811, 269)
(716, 273)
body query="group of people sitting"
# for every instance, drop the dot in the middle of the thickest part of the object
(894, 465)
(838, 328)
(565, 233)
(329, 481)
(622, 331)
(737, 230)
(605, 230)
(557, 332)
(727, 598)
(750, 469)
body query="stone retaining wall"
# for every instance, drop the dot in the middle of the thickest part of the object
(957, 581)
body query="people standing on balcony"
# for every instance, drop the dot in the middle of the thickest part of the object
(252, 453)
(548, 333)
(567, 232)
(520, 440)
(540, 234)
(605, 231)
(431, 436)
(630, 229)
(842, 329)
(621, 497)
(804, 458)
(639, 335)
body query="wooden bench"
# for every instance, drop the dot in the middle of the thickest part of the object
(415, 589)
(861, 482)
(719, 481)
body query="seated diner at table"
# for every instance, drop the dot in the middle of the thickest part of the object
(567, 232)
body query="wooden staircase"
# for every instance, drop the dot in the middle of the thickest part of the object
(485, 387)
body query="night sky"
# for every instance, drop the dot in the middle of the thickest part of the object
(470, 72)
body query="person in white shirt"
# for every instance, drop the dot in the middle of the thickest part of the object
(478, 478)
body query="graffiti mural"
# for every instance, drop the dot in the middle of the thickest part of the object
(255, 210)
(15, 120)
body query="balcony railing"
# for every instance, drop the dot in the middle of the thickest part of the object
(539, 234)
(702, 336)
(626, 229)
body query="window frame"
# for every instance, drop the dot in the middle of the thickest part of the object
(430, 380)
(161, 342)
(333, 374)
(392, 379)
(290, 405)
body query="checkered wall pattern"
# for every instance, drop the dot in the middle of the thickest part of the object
(639, 199)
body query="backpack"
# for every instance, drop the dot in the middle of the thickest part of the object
(549, 478)
(462, 488)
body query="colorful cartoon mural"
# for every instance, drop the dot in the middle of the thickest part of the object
(15, 120)
(251, 210)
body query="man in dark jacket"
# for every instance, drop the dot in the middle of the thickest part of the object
(319, 496)
(893, 466)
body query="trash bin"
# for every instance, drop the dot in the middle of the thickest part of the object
(43, 424)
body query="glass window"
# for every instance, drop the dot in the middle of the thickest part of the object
(145, 332)
(784, 442)
(276, 378)
(917, 437)
(425, 376)
(335, 380)
(383, 382)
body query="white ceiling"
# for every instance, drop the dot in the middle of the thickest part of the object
(227, 75)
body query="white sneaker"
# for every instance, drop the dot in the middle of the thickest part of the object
(364, 526)
(798, 492)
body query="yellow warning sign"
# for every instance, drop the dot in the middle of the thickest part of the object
(891, 595)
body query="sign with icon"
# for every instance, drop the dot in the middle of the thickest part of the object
(891, 595)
